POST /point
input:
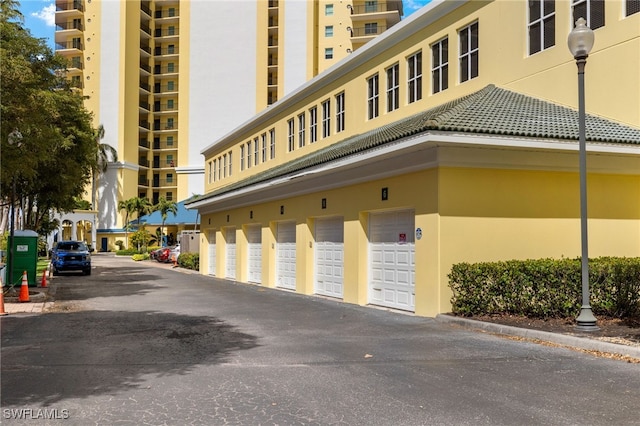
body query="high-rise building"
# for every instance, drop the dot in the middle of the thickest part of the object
(167, 77)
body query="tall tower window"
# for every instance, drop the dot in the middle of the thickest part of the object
(393, 88)
(373, 96)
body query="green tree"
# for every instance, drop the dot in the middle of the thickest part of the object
(105, 154)
(47, 140)
(129, 208)
(142, 206)
(165, 207)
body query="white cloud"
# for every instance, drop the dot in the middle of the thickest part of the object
(47, 15)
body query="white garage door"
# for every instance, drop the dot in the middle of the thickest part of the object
(286, 255)
(231, 253)
(254, 239)
(329, 256)
(212, 252)
(392, 260)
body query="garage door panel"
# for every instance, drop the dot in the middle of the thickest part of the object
(212, 252)
(392, 260)
(329, 254)
(254, 247)
(286, 255)
(231, 253)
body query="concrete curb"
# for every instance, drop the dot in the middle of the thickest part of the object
(585, 343)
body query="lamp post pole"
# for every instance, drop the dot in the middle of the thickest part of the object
(580, 42)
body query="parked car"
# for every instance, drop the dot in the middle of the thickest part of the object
(71, 256)
(162, 254)
(154, 254)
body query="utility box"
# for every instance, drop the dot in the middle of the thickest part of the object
(24, 250)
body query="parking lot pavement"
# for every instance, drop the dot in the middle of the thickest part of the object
(582, 342)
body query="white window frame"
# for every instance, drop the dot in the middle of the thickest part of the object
(302, 130)
(373, 97)
(256, 151)
(326, 118)
(590, 11)
(291, 135)
(466, 59)
(414, 77)
(249, 154)
(440, 66)
(340, 113)
(313, 124)
(242, 157)
(539, 24)
(272, 142)
(393, 87)
(264, 147)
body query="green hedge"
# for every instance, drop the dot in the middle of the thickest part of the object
(189, 261)
(546, 288)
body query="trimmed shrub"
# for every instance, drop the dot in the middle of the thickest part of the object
(189, 261)
(546, 288)
(127, 252)
(140, 256)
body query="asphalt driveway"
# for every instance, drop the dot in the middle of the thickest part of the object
(135, 343)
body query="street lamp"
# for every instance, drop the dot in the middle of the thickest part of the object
(580, 42)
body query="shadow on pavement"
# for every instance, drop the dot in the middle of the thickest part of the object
(79, 354)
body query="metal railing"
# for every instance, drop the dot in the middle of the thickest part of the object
(72, 5)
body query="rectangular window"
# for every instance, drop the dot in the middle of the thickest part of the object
(169, 140)
(414, 66)
(171, 86)
(328, 31)
(328, 53)
(371, 28)
(272, 144)
(301, 130)
(591, 10)
(169, 196)
(230, 163)
(393, 88)
(291, 134)
(171, 67)
(373, 95)
(632, 6)
(170, 162)
(542, 25)
(219, 168)
(328, 10)
(264, 147)
(224, 165)
(248, 154)
(313, 125)
(371, 6)
(468, 52)
(440, 65)
(256, 151)
(326, 119)
(210, 172)
(169, 177)
(339, 112)
(215, 167)
(241, 157)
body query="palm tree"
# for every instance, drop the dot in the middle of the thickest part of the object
(142, 206)
(165, 207)
(129, 207)
(104, 153)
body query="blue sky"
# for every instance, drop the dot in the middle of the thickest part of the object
(39, 15)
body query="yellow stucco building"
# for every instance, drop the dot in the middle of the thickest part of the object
(450, 138)
(154, 72)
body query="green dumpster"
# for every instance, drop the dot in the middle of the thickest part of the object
(24, 250)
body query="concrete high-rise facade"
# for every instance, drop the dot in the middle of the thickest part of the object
(167, 77)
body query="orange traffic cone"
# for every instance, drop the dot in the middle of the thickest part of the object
(43, 283)
(2, 311)
(24, 289)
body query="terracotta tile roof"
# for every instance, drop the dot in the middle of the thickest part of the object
(490, 111)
